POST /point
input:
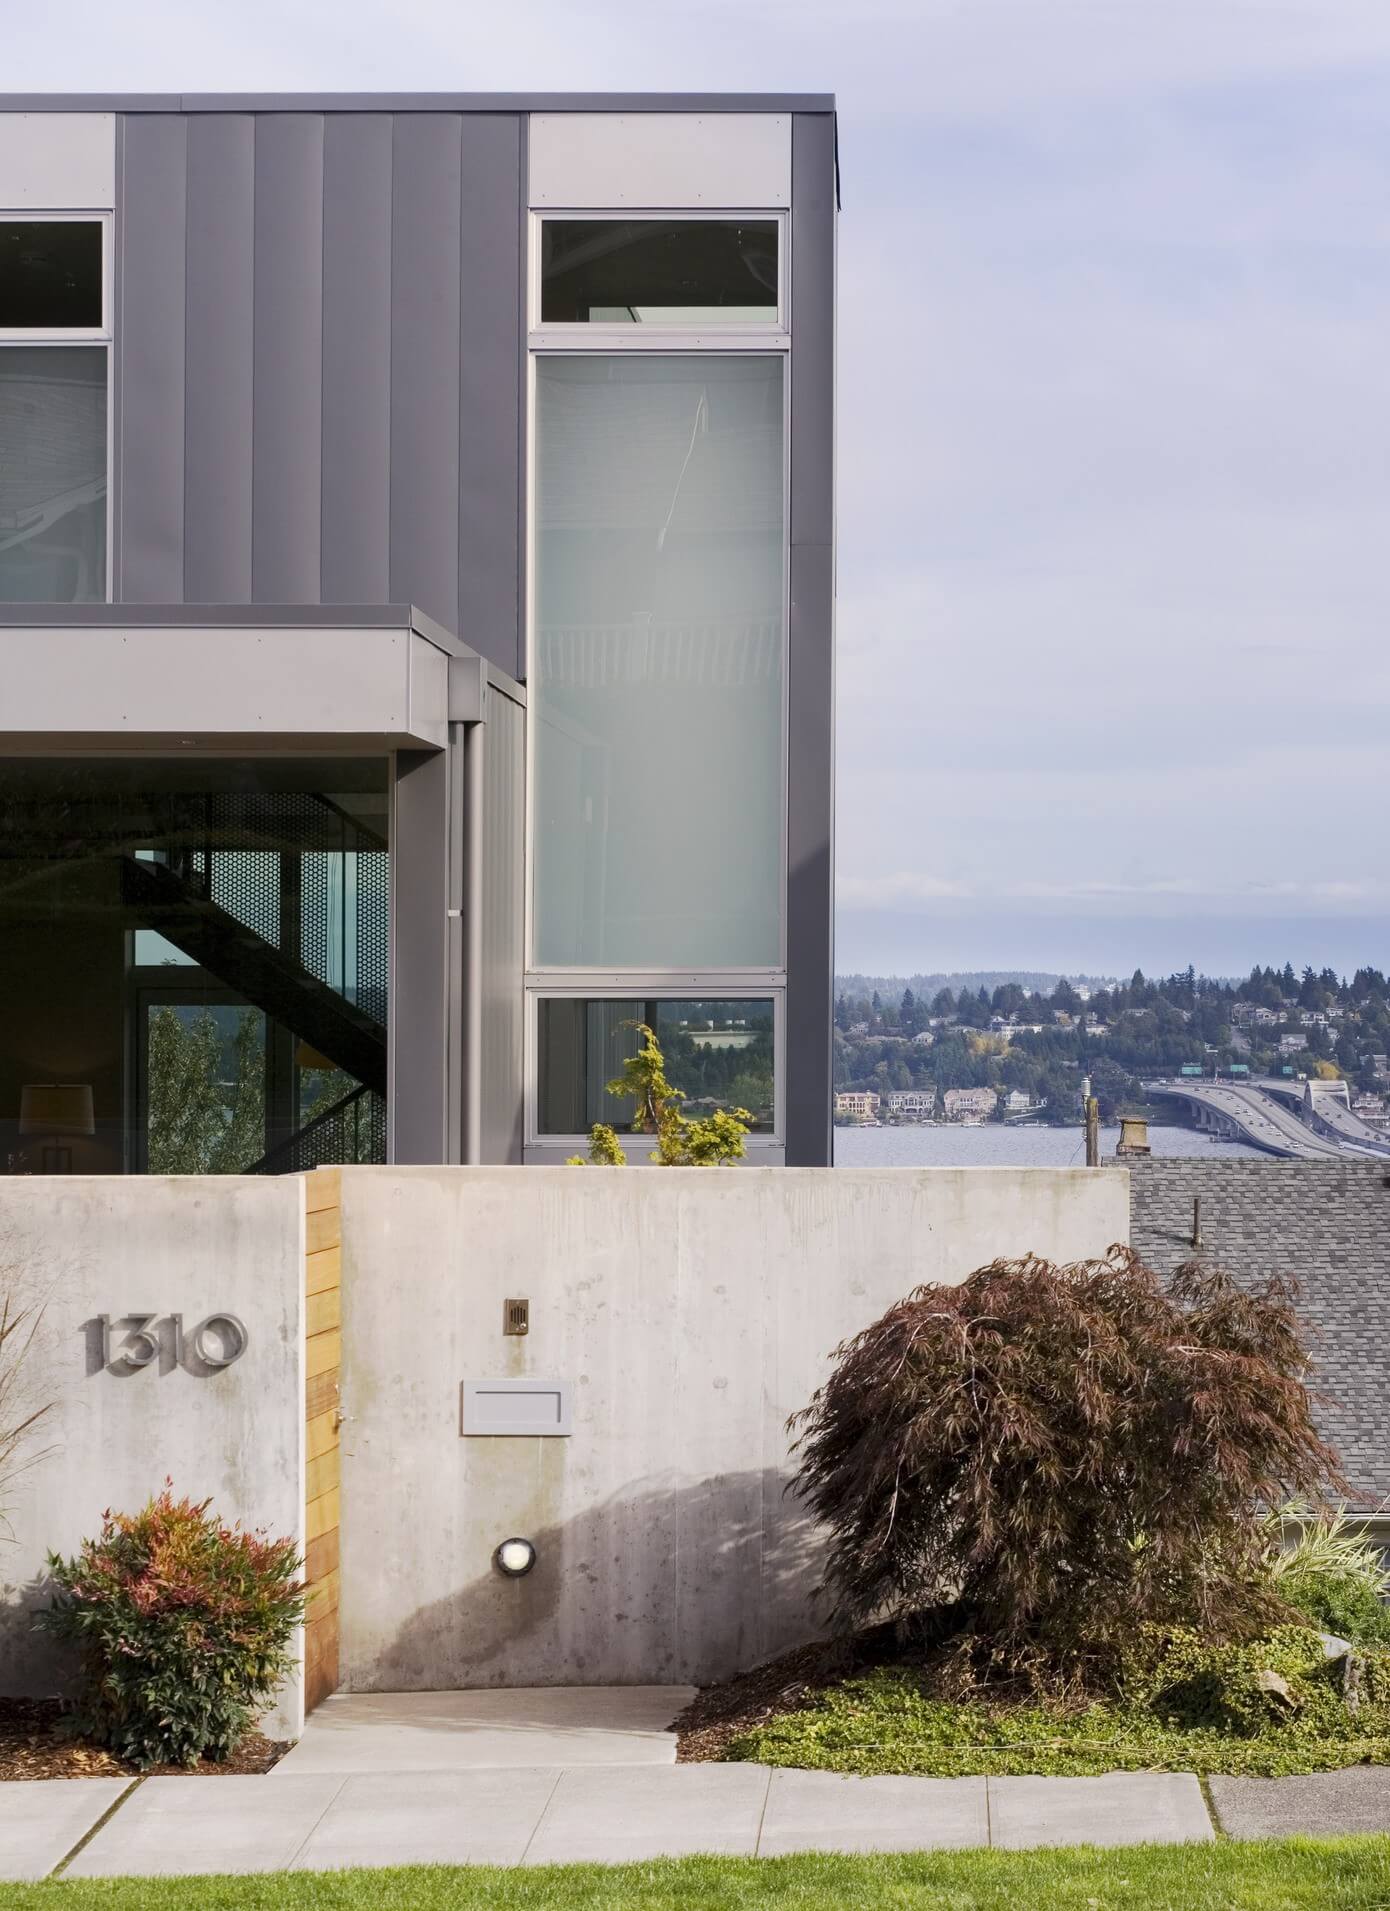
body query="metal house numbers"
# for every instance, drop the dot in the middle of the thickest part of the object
(213, 1344)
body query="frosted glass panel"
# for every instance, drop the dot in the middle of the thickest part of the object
(52, 474)
(657, 662)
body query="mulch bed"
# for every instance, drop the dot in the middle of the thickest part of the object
(31, 1746)
(720, 1712)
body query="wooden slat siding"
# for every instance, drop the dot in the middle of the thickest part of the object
(321, 1475)
(324, 1270)
(321, 1557)
(322, 1311)
(321, 1395)
(323, 1273)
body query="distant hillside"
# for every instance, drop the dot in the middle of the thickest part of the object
(974, 980)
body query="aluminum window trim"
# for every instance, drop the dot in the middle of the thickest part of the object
(775, 332)
(66, 334)
(83, 335)
(726, 987)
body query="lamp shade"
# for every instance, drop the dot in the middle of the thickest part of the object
(56, 1108)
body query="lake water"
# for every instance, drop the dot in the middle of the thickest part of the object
(997, 1145)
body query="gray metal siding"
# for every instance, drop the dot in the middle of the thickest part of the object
(218, 331)
(152, 188)
(504, 876)
(491, 389)
(418, 1032)
(425, 350)
(810, 692)
(318, 384)
(287, 418)
(356, 538)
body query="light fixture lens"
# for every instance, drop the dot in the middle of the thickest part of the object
(515, 1558)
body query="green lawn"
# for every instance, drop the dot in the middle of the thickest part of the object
(1274, 1876)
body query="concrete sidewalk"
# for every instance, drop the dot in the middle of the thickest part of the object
(465, 1731)
(613, 1814)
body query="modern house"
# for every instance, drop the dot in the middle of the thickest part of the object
(416, 611)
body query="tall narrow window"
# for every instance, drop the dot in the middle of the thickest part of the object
(657, 661)
(53, 425)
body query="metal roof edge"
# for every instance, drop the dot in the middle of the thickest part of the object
(417, 102)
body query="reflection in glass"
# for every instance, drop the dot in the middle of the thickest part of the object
(718, 1054)
(684, 272)
(205, 1088)
(50, 274)
(52, 474)
(657, 661)
(205, 945)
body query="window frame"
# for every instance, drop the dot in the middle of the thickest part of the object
(776, 974)
(55, 337)
(65, 334)
(769, 335)
(722, 986)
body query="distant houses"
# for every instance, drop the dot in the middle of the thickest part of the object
(969, 1104)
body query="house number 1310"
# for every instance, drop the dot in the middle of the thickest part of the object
(216, 1341)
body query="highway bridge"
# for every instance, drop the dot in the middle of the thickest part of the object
(1260, 1115)
(1325, 1107)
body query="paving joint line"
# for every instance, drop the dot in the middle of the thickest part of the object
(762, 1815)
(318, 1821)
(1204, 1786)
(92, 1830)
(989, 1816)
(540, 1816)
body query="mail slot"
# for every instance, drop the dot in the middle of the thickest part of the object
(516, 1407)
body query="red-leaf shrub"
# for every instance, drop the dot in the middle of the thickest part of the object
(1053, 1456)
(182, 1626)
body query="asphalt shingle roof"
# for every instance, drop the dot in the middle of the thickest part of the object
(1328, 1224)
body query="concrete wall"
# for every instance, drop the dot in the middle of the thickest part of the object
(689, 1314)
(79, 1247)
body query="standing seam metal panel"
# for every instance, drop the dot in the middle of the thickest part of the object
(504, 880)
(218, 335)
(151, 215)
(319, 386)
(425, 223)
(287, 422)
(811, 684)
(357, 359)
(491, 392)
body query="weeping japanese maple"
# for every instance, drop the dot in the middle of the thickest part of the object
(1051, 1456)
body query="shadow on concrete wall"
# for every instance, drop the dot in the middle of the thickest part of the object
(689, 1582)
(32, 1665)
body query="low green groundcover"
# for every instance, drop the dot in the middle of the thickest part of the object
(1296, 1874)
(1186, 1706)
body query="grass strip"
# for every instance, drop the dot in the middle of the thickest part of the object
(1295, 1874)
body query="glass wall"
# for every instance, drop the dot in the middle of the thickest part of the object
(193, 965)
(657, 661)
(718, 1055)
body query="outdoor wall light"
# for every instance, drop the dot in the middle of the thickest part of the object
(514, 1558)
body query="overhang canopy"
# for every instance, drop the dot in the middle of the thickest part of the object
(303, 678)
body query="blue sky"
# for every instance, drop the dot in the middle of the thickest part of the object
(1114, 482)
